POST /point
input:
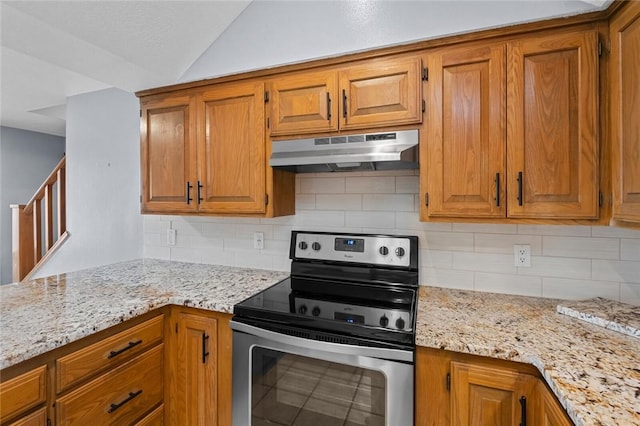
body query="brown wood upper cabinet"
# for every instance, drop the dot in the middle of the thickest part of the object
(232, 150)
(376, 93)
(512, 129)
(552, 126)
(204, 152)
(625, 111)
(168, 153)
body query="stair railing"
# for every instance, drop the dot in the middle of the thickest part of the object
(31, 246)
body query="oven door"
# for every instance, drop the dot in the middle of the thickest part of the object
(284, 380)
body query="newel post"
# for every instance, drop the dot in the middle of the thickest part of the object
(21, 241)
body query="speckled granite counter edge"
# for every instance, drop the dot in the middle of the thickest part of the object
(602, 322)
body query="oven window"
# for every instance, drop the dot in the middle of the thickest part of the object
(294, 390)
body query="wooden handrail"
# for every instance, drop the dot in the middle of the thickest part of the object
(27, 231)
(50, 180)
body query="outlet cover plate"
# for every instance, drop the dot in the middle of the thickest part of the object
(522, 255)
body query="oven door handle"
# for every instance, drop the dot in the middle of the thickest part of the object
(368, 351)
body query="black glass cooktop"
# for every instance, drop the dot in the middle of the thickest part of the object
(357, 310)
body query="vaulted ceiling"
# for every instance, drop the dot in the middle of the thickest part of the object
(54, 49)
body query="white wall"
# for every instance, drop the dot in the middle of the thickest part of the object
(103, 182)
(270, 33)
(572, 262)
(26, 159)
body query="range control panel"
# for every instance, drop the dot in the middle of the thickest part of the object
(378, 250)
(393, 319)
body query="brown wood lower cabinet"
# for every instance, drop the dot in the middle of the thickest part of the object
(171, 366)
(198, 374)
(459, 389)
(21, 394)
(118, 397)
(37, 418)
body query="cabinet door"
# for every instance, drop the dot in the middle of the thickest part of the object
(552, 151)
(304, 103)
(625, 111)
(551, 413)
(168, 155)
(381, 93)
(232, 150)
(196, 397)
(465, 132)
(485, 396)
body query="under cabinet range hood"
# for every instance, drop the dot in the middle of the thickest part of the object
(371, 151)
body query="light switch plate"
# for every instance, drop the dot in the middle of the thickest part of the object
(171, 236)
(258, 240)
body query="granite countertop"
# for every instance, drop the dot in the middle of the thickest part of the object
(43, 314)
(594, 371)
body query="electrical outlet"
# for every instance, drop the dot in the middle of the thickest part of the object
(258, 240)
(522, 255)
(171, 236)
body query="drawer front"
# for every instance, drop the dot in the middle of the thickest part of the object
(22, 393)
(107, 353)
(37, 418)
(118, 397)
(155, 418)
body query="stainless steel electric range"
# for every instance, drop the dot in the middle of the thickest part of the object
(333, 344)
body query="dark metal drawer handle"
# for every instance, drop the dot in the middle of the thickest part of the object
(132, 395)
(131, 345)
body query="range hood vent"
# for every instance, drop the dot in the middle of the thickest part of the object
(371, 151)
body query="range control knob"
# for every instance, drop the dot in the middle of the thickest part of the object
(399, 252)
(316, 246)
(384, 250)
(384, 321)
(302, 309)
(302, 245)
(399, 323)
(316, 311)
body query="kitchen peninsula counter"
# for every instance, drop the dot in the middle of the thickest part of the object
(44, 314)
(594, 372)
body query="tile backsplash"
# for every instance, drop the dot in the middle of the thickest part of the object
(572, 262)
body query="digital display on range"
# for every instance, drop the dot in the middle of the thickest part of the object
(349, 244)
(349, 318)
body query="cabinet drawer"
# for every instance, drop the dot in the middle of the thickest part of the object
(154, 418)
(119, 397)
(37, 418)
(107, 353)
(23, 392)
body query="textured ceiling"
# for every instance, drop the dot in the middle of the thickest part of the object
(54, 49)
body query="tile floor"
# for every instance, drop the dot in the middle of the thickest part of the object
(290, 390)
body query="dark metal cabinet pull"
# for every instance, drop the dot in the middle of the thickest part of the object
(523, 411)
(189, 186)
(328, 106)
(344, 104)
(118, 352)
(205, 352)
(199, 192)
(519, 188)
(132, 395)
(497, 189)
